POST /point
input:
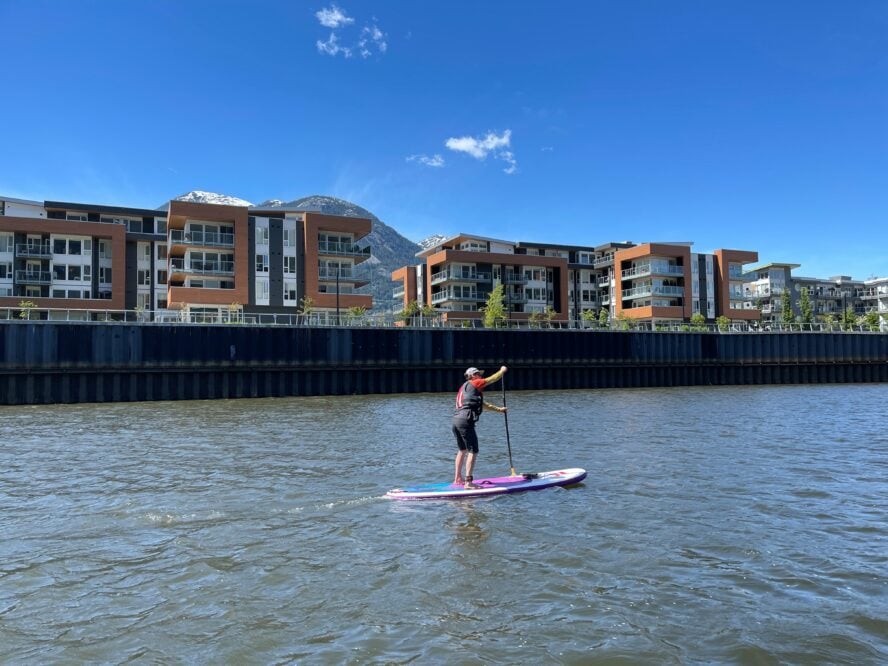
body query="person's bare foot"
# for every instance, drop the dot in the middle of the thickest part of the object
(471, 486)
(458, 482)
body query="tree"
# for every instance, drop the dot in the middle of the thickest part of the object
(848, 319)
(723, 323)
(26, 307)
(603, 317)
(588, 316)
(786, 307)
(549, 315)
(356, 313)
(306, 305)
(624, 321)
(806, 308)
(409, 312)
(494, 310)
(870, 320)
(698, 321)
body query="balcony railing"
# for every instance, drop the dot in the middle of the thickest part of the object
(201, 238)
(604, 281)
(652, 268)
(443, 296)
(201, 267)
(332, 274)
(605, 260)
(457, 276)
(653, 290)
(514, 278)
(33, 277)
(342, 249)
(33, 250)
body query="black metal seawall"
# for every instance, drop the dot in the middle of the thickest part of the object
(46, 362)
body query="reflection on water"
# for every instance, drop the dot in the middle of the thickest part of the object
(740, 525)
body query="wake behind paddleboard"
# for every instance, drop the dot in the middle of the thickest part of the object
(499, 485)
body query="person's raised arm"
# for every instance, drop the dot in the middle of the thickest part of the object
(496, 376)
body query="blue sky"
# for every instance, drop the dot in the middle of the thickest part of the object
(747, 125)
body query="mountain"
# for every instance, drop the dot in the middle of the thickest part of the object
(199, 196)
(431, 241)
(390, 250)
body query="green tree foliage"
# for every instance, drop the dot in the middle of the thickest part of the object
(698, 321)
(786, 307)
(494, 310)
(806, 308)
(603, 317)
(871, 320)
(723, 323)
(848, 319)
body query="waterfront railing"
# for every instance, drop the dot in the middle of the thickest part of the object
(390, 320)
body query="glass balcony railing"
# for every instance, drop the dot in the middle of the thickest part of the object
(201, 238)
(201, 267)
(33, 250)
(342, 249)
(458, 276)
(329, 274)
(33, 277)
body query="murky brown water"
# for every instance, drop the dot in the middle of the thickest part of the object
(725, 525)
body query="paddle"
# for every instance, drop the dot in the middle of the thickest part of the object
(506, 418)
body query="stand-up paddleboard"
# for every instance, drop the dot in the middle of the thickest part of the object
(499, 485)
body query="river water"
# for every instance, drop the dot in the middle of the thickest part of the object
(738, 525)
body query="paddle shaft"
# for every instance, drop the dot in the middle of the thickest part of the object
(506, 418)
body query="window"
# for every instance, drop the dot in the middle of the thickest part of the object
(134, 226)
(104, 249)
(143, 277)
(289, 291)
(161, 251)
(145, 250)
(262, 289)
(105, 274)
(161, 277)
(74, 273)
(261, 235)
(73, 293)
(160, 226)
(161, 303)
(59, 246)
(32, 292)
(73, 247)
(5, 271)
(261, 263)
(289, 265)
(87, 245)
(59, 272)
(76, 217)
(87, 272)
(58, 293)
(7, 242)
(289, 237)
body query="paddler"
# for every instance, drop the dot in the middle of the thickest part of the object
(469, 405)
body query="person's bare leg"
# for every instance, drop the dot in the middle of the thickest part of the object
(470, 467)
(457, 472)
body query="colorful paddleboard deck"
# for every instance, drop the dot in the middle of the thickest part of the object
(499, 485)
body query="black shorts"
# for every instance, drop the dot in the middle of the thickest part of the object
(466, 438)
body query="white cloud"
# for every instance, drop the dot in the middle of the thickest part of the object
(547, 149)
(481, 147)
(430, 161)
(332, 47)
(333, 17)
(370, 40)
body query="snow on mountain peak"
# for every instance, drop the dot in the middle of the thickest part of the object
(431, 241)
(199, 196)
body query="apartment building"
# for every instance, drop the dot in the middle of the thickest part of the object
(188, 260)
(456, 277)
(874, 297)
(651, 282)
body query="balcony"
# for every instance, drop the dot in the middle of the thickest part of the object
(447, 295)
(604, 281)
(652, 268)
(514, 278)
(33, 277)
(331, 275)
(200, 267)
(332, 249)
(604, 260)
(41, 250)
(201, 238)
(653, 290)
(459, 276)
(398, 294)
